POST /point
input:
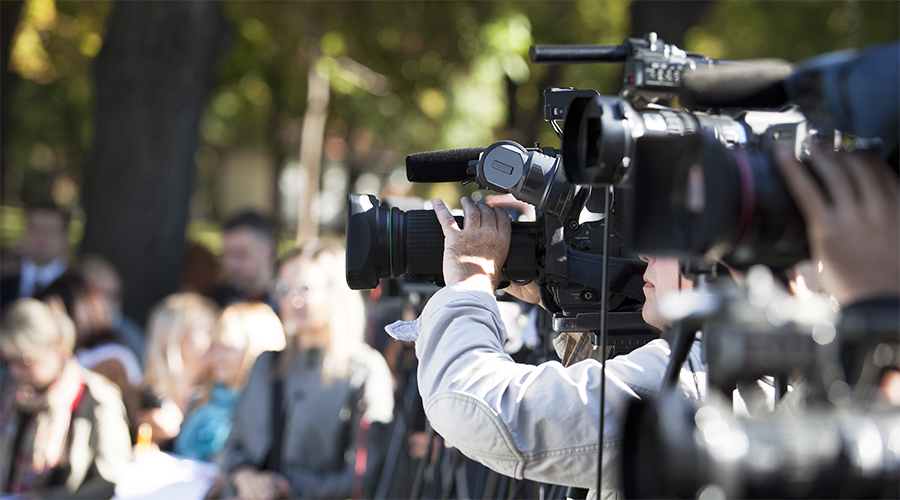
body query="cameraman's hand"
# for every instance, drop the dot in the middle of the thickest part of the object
(857, 235)
(509, 202)
(530, 293)
(477, 252)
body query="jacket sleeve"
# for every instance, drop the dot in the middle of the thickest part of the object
(533, 422)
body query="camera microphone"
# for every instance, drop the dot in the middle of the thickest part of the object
(447, 165)
(736, 85)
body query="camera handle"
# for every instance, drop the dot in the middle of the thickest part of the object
(680, 338)
(604, 291)
(682, 334)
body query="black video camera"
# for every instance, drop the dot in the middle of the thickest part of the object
(704, 182)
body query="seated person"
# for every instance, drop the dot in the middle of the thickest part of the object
(242, 333)
(96, 345)
(63, 428)
(307, 414)
(179, 336)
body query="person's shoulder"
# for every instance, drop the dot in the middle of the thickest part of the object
(262, 367)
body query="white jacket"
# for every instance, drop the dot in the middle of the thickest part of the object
(532, 422)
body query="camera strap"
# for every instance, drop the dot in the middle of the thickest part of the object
(276, 412)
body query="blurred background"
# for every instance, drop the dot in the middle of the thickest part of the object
(152, 122)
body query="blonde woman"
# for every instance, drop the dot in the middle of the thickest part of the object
(305, 413)
(243, 332)
(178, 338)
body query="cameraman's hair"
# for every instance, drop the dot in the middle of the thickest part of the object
(49, 206)
(31, 325)
(253, 221)
(346, 321)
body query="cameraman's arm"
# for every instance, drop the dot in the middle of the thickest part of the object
(534, 422)
(857, 234)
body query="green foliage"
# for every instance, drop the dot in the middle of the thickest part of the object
(406, 76)
(792, 30)
(51, 105)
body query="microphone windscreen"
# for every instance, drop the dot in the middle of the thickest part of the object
(447, 165)
(736, 85)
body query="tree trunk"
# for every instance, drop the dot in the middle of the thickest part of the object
(9, 20)
(151, 80)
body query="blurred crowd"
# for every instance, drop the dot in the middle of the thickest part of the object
(263, 377)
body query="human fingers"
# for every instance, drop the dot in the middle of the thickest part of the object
(504, 221)
(488, 216)
(471, 212)
(865, 177)
(282, 486)
(805, 192)
(833, 172)
(508, 201)
(445, 218)
(885, 177)
(529, 293)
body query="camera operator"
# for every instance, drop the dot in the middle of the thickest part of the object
(541, 422)
(537, 422)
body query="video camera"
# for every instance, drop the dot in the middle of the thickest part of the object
(562, 250)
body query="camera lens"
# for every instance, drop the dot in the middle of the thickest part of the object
(748, 210)
(386, 242)
(693, 197)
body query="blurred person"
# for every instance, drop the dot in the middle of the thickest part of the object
(201, 269)
(248, 259)
(242, 333)
(45, 250)
(96, 346)
(178, 339)
(63, 428)
(334, 390)
(103, 276)
(10, 261)
(541, 422)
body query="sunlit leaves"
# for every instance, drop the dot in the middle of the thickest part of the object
(432, 103)
(29, 57)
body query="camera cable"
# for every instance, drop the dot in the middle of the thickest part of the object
(604, 294)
